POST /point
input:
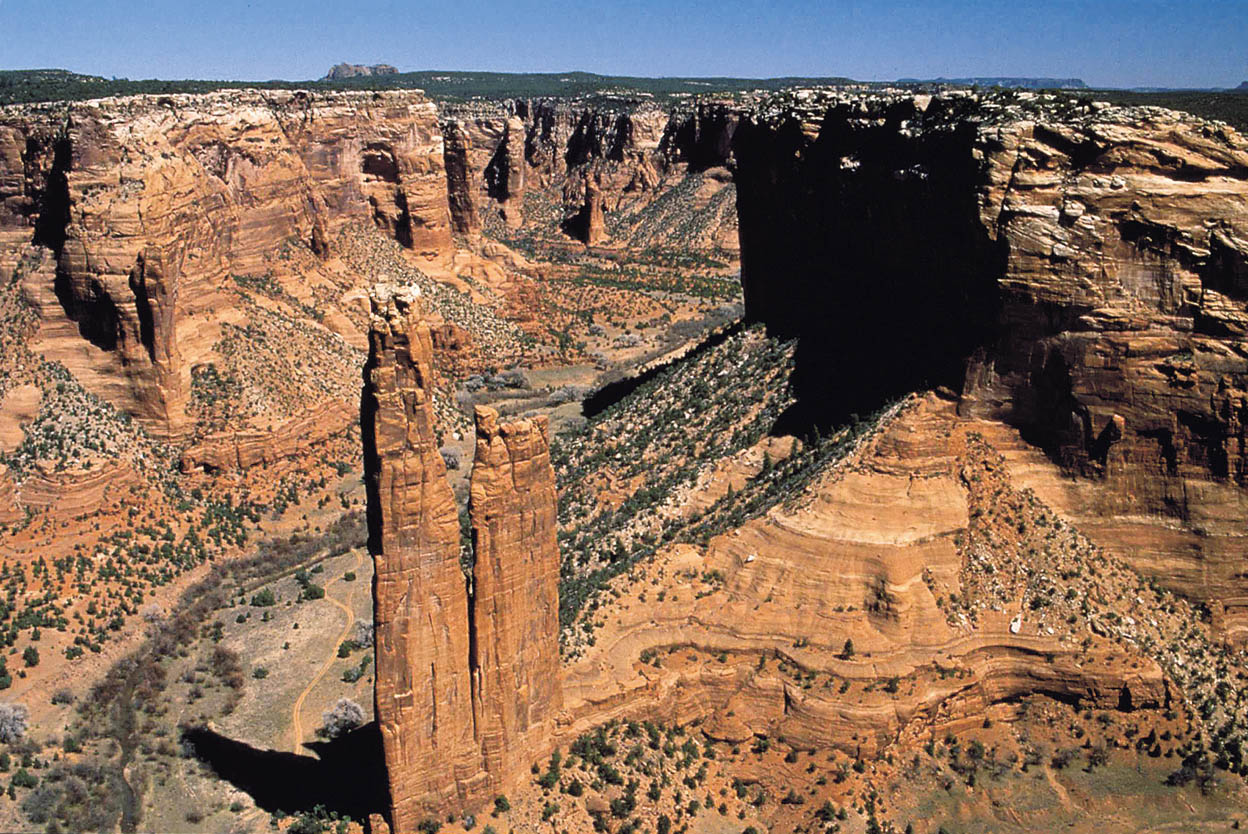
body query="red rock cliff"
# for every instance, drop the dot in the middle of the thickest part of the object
(1078, 273)
(137, 211)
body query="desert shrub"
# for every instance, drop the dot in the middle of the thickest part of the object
(14, 718)
(227, 666)
(356, 672)
(40, 804)
(451, 457)
(30, 656)
(62, 696)
(363, 634)
(264, 598)
(343, 717)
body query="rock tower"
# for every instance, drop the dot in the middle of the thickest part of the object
(467, 664)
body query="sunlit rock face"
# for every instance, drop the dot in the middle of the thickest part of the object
(137, 211)
(1078, 272)
(467, 667)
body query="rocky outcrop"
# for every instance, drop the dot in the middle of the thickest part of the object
(80, 490)
(515, 603)
(504, 174)
(751, 634)
(149, 204)
(467, 668)
(630, 155)
(424, 700)
(9, 511)
(241, 449)
(588, 225)
(340, 71)
(460, 185)
(1075, 272)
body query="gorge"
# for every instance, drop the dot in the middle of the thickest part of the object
(975, 453)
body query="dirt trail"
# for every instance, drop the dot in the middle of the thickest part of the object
(345, 606)
(1058, 788)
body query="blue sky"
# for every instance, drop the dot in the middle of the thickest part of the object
(1110, 43)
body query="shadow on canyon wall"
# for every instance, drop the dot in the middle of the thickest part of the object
(865, 243)
(348, 774)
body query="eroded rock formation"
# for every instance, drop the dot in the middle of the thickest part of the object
(467, 667)
(1077, 274)
(628, 156)
(424, 701)
(867, 557)
(515, 604)
(588, 224)
(148, 206)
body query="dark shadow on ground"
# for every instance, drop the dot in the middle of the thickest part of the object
(348, 774)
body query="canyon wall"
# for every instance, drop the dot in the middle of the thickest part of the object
(148, 206)
(1074, 270)
(467, 667)
(792, 625)
(595, 158)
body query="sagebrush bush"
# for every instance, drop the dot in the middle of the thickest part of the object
(343, 717)
(14, 719)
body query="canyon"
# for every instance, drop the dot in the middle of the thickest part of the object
(975, 450)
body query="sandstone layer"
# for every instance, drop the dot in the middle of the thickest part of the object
(753, 632)
(621, 160)
(241, 449)
(149, 205)
(424, 700)
(1077, 273)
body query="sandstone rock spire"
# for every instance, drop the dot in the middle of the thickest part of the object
(423, 691)
(515, 605)
(467, 681)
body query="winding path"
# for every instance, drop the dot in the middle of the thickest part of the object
(345, 607)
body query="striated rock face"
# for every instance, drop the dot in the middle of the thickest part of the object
(148, 204)
(467, 684)
(1090, 266)
(631, 157)
(9, 511)
(424, 700)
(515, 605)
(237, 451)
(504, 174)
(869, 553)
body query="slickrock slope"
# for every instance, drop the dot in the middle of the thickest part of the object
(1088, 260)
(467, 685)
(515, 604)
(148, 205)
(424, 700)
(752, 634)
